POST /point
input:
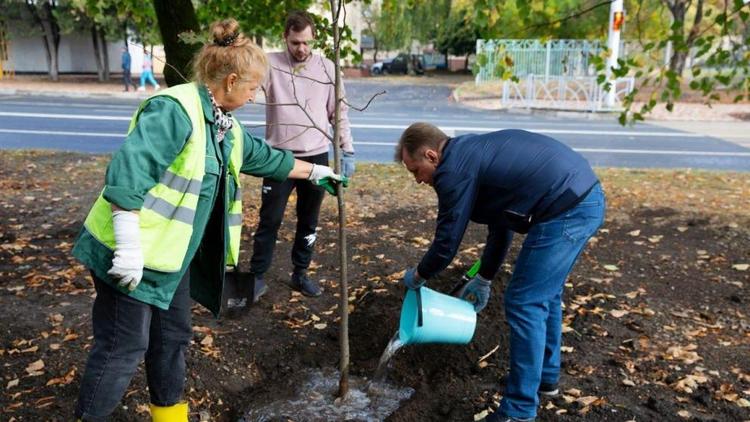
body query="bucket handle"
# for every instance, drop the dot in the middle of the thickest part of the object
(420, 320)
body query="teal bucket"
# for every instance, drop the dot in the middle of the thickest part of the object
(428, 316)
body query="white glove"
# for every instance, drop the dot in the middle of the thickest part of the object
(320, 172)
(127, 265)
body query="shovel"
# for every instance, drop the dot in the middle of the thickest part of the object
(466, 278)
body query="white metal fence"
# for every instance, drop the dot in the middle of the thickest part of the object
(555, 74)
(545, 58)
(581, 93)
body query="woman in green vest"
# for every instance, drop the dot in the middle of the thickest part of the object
(168, 223)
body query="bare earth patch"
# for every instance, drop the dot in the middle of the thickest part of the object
(656, 320)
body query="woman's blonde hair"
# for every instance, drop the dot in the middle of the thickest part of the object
(228, 52)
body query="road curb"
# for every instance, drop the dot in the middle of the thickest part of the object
(73, 94)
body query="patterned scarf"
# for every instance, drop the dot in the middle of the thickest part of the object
(222, 120)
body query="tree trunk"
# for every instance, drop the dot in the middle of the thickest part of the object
(45, 18)
(336, 7)
(678, 9)
(97, 53)
(175, 17)
(105, 53)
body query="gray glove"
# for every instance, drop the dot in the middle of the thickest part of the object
(347, 164)
(476, 291)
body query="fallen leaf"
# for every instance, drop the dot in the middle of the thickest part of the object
(207, 341)
(587, 400)
(320, 326)
(740, 267)
(481, 415)
(682, 229)
(35, 368)
(64, 380)
(71, 336)
(618, 313)
(743, 402)
(566, 349)
(12, 383)
(634, 233)
(610, 267)
(684, 414)
(628, 382)
(573, 392)
(655, 239)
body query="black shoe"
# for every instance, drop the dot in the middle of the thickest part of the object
(302, 283)
(548, 390)
(259, 288)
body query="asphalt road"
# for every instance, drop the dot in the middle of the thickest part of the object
(97, 125)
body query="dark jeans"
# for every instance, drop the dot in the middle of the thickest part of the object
(533, 300)
(274, 198)
(125, 331)
(127, 80)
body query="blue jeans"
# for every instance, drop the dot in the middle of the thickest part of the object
(533, 300)
(125, 331)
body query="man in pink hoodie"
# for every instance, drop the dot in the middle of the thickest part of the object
(300, 103)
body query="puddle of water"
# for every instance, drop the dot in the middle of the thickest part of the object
(316, 401)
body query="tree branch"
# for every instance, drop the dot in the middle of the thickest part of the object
(366, 105)
(303, 77)
(561, 20)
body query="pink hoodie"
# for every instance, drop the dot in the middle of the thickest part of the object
(313, 85)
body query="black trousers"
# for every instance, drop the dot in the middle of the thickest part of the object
(126, 79)
(274, 198)
(127, 331)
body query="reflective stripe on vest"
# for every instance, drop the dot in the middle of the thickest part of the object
(234, 213)
(166, 218)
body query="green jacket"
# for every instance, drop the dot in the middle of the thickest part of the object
(161, 132)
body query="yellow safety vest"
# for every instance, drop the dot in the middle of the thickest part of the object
(166, 218)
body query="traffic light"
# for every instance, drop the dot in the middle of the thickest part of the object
(617, 20)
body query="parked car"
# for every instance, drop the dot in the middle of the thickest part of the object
(399, 64)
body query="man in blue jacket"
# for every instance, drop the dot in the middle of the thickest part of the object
(511, 181)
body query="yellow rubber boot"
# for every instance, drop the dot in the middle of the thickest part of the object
(174, 413)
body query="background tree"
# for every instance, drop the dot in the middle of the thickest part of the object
(247, 13)
(400, 23)
(458, 35)
(717, 39)
(370, 16)
(44, 15)
(715, 31)
(176, 17)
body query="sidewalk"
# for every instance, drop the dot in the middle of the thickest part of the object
(72, 86)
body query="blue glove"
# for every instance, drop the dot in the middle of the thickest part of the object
(476, 291)
(410, 280)
(347, 164)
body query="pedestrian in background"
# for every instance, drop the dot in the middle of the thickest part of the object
(512, 181)
(147, 74)
(126, 61)
(168, 223)
(304, 83)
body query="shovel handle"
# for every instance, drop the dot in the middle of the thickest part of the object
(420, 318)
(466, 278)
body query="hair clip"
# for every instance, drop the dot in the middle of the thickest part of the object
(226, 42)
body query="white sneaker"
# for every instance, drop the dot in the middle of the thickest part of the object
(157, 87)
(141, 88)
